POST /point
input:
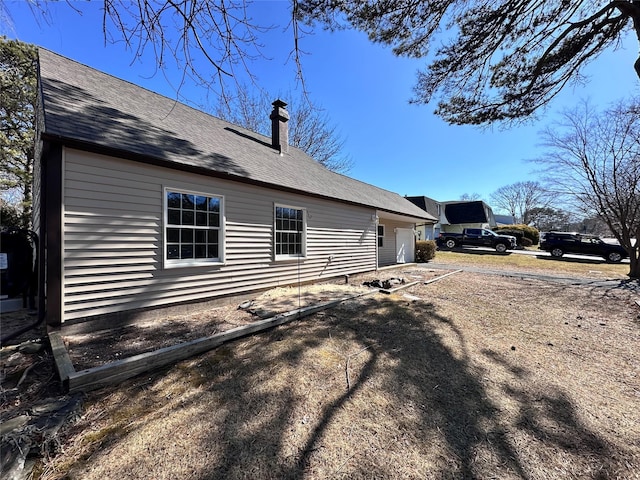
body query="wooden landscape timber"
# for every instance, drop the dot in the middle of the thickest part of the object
(119, 370)
(389, 291)
(61, 357)
(114, 372)
(407, 285)
(441, 277)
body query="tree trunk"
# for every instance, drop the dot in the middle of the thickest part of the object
(634, 269)
(634, 256)
(26, 206)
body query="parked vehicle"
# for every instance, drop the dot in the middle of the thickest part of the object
(479, 237)
(559, 243)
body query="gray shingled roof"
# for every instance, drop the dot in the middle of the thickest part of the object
(82, 104)
(425, 203)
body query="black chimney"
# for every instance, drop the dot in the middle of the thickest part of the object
(279, 129)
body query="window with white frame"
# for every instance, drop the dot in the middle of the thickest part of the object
(380, 235)
(193, 227)
(290, 227)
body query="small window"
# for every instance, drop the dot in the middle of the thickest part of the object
(290, 228)
(193, 228)
(380, 235)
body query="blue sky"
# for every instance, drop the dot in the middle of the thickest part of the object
(364, 90)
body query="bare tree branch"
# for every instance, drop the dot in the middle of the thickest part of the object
(309, 128)
(520, 198)
(593, 159)
(501, 61)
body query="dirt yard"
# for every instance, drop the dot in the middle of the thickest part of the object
(472, 376)
(97, 348)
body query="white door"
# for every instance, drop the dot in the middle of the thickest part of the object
(405, 243)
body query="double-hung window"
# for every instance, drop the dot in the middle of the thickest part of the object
(289, 230)
(380, 235)
(193, 228)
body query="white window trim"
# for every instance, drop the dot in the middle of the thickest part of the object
(290, 257)
(204, 262)
(378, 236)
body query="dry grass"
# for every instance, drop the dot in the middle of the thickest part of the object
(483, 377)
(592, 267)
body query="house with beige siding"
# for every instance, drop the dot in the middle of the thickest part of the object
(144, 203)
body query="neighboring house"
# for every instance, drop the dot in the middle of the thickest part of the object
(142, 203)
(427, 230)
(453, 216)
(505, 219)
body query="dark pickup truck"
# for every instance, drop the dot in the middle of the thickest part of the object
(477, 236)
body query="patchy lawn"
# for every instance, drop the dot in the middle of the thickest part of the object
(480, 377)
(587, 267)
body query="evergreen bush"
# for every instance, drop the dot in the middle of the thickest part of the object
(521, 232)
(425, 250)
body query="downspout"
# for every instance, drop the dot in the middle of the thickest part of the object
(376, 221)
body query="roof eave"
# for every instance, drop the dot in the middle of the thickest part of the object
(151, 160)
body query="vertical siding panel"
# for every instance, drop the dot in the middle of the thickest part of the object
(113, 250)
(386, 252)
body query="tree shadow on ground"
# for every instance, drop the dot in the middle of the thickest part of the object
(261, 429)
(550, 416)
(440, 379)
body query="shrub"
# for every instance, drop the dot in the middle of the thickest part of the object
(521, 232)
(9, 215)
(425, 250)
